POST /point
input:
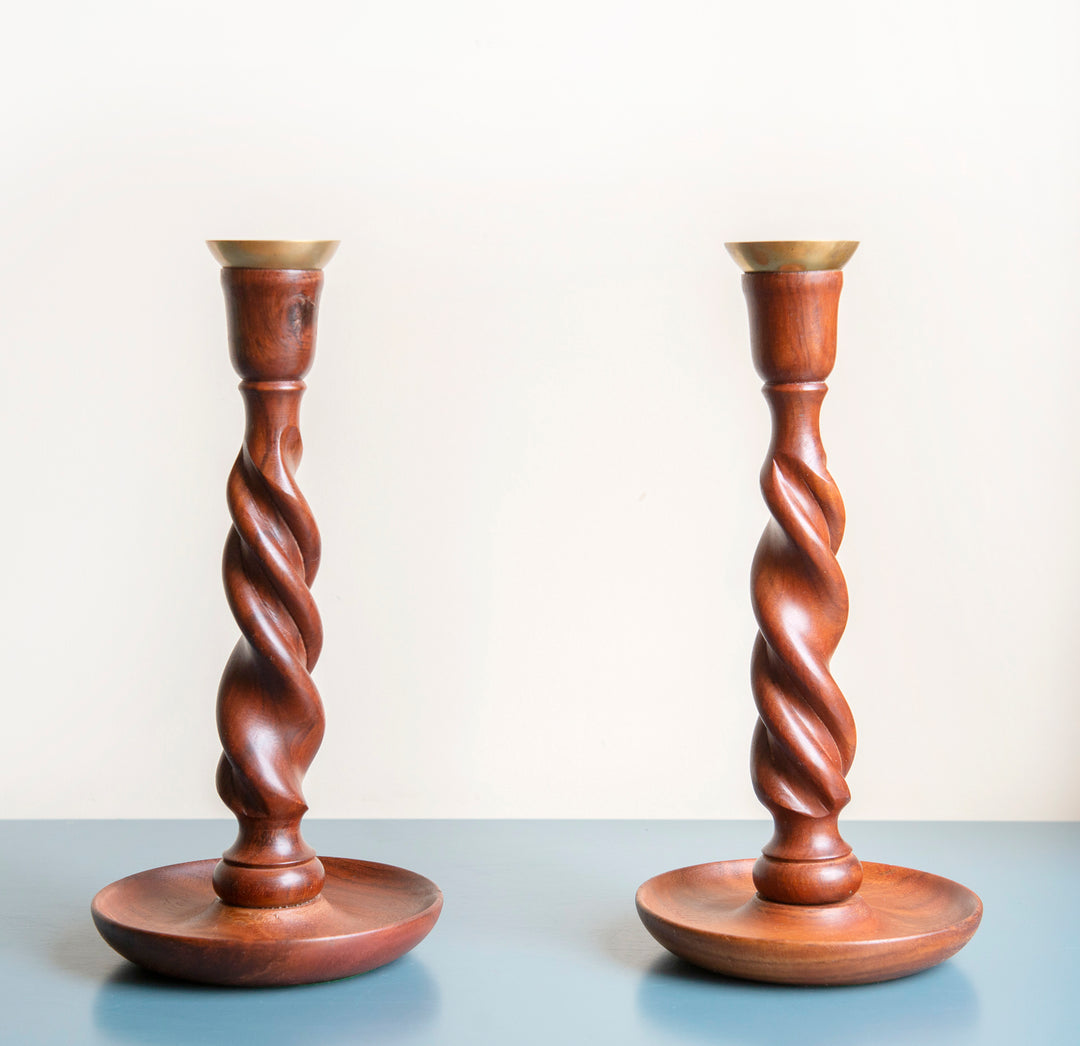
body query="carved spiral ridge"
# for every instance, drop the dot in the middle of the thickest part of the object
(270, 714)
(805, 739)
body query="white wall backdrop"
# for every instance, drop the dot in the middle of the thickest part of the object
(533, 431)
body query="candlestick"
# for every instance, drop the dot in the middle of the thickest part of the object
(270, 911)
(806, 911)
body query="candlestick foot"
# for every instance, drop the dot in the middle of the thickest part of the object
(171, 921)
(900, 922)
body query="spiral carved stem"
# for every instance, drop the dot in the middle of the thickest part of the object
(270, 716)
(804, 741)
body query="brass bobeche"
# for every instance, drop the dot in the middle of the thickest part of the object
(273, 254)
(792, 255)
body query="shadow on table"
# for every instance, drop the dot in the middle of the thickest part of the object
(77, 948)
(697, 1005)
(381, 1006)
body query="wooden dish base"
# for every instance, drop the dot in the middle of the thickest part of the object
(901, 921)
(171, 921)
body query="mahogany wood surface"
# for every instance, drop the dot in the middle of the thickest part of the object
(270, 911)
(366, 915)
(901, 921)
(799, 915)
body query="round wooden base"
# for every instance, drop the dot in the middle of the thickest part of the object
(171, 921)
(901, 921)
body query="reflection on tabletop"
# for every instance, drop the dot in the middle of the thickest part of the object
(699, 1006)
(396, 1001)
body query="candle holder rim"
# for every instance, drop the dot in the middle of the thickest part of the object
(273, 254)
(791, 255)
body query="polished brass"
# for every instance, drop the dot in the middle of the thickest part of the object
(273, 254)
(792, 255)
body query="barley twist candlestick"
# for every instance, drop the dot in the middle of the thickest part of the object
(807, 911)
(280, 915)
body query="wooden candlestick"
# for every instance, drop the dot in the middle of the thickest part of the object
(806, 911)
(270, 911)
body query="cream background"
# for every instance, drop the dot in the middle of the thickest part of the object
(533, 431)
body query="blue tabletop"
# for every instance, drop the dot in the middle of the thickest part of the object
(539, 942)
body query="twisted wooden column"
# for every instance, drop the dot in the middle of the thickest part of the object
(806, 911)
(805, 737)
(270, 717)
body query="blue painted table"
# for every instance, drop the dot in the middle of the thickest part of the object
(539, 942)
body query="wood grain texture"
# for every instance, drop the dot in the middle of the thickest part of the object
(367, 915)
(900, 922)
